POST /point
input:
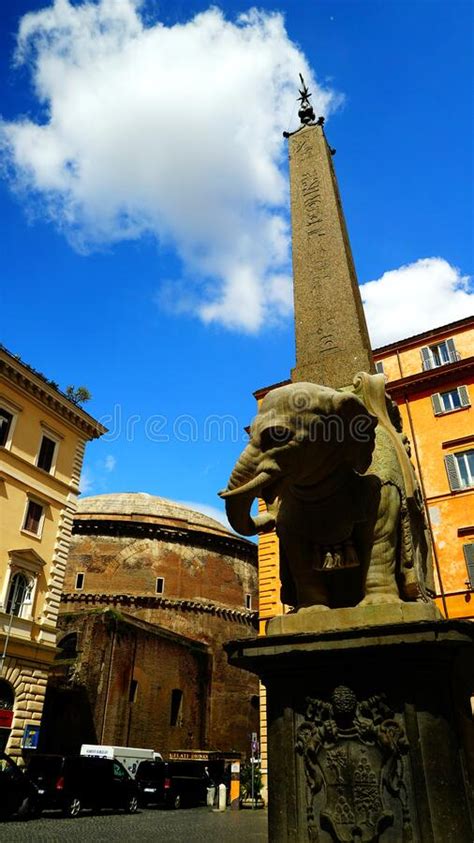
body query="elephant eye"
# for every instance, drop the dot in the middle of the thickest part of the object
(272, 437)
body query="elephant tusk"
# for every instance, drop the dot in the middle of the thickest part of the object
(254, 484)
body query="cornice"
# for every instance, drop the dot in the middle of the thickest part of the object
(147, 601)
(450, 373)
(17, 373)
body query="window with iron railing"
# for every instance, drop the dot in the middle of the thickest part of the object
(439, 354)
(20, 593)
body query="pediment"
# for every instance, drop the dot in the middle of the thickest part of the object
(27, 558)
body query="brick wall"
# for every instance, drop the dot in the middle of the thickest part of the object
(129, 565)
(213, 579)
(113, 651)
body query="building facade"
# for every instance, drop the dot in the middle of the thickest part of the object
(179, 585)
(431, 377)
(42, 439)
(121, 681)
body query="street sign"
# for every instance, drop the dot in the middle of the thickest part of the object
(6, 717)
(30, 737)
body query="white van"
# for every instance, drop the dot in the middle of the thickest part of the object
(129, 756)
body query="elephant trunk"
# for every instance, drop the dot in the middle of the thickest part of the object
(243, 487)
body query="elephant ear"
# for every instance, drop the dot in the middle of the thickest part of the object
(359, 432)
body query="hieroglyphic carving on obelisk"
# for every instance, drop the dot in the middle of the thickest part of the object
(332, 341)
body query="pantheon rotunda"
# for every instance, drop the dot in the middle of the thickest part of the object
(152, 591)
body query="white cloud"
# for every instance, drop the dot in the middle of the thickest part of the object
(415, 298)
(110, 462)
(174, 131)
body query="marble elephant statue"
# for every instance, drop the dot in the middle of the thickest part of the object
(339, 488)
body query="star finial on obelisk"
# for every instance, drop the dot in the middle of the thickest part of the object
(306, 112)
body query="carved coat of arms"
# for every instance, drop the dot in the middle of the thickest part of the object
(353, 754)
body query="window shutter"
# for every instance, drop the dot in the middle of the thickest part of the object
(451, 350)
(464, 396)
(437, 405)
(452, 472)
(469, 557)
(426, 358)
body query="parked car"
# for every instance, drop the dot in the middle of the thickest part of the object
(18, 794)
(73, 782)
(172, 783)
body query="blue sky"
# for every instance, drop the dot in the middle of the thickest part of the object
(145, 248)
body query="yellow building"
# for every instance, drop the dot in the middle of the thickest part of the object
(42, 440)
(431, 377)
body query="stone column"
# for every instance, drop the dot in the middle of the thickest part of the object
(332, 341)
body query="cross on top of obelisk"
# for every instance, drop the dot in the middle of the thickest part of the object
(332, 341)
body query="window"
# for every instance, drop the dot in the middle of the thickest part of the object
(120, 772)
(160, 585)
(453, 399)
(469, 557)
(79, 581)
(248, 601)
(47, 453)
(379, 368)
(19, 588)
(19, 594)
(176, 707)
(33, 518)
(133, 692)
(67, 647)
(6, 424)
(460, 469)
(444, 352)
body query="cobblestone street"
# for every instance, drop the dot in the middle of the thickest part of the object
(184, 826)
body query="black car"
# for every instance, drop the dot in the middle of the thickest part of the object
(73, 782)
(18, 795)
(172, 783)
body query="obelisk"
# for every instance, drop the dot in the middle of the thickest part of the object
(368, 701)
(332, 341)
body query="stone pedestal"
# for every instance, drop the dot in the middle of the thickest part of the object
(370, 731)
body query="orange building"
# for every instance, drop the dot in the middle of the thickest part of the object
(431, 377)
